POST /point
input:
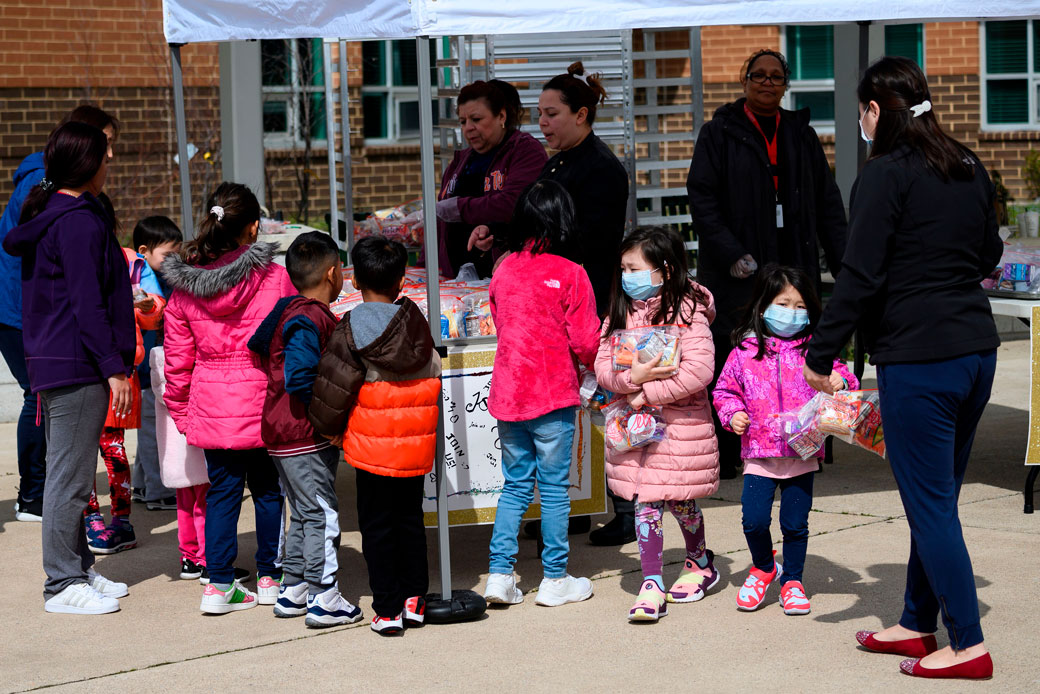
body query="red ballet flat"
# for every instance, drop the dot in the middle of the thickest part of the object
(917, 647)
(979, 668)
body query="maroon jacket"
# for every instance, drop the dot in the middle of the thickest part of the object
(517, 164)
(285, 426)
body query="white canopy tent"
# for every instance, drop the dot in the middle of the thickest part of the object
(193, 21)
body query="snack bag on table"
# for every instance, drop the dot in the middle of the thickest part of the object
(627, 428)
(644, 344)
(478, 315)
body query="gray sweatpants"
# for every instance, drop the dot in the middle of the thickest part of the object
(146, 461)
(74, 418)
(309, 483)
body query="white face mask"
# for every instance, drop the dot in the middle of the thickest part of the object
(862, 132)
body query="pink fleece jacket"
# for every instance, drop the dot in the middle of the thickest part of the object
(545, 316)
(772, 385)
(215, 387)
(686, 464)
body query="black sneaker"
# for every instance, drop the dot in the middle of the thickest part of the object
(167, 504)
(619, 530)
(190, 569)
(28, 510)
(240, 575)
(137, 495)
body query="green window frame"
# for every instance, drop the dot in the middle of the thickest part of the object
(1010, 69)
(390, 90)
(293, 92)
(810, 55)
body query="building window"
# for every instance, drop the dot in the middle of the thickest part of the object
(1011, 74)
(906, 41)
(810, 54)
(293, 86)
(390, 90)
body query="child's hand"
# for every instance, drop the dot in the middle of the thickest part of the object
(837, 382)
(637, 401)
(145, 305)
(650, 371)
(739, 423)
(336, 441)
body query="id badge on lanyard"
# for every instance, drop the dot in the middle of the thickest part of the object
(771, 147)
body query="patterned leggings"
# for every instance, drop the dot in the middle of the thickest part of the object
(114, 453)
(650, 534)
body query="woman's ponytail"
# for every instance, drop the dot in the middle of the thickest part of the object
(579, 90)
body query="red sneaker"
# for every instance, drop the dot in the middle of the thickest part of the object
(753, 592)
(414, 611)
(387, 626)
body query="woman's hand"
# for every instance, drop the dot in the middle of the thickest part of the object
(650, 371)
(482, 238)
(739, 423)
(637, 401)
(122, 396)
(818, 381)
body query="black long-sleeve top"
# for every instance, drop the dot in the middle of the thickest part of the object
(918, 249)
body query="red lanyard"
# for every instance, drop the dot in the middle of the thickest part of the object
(770, 146)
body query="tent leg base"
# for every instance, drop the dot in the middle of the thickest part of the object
(464, 606)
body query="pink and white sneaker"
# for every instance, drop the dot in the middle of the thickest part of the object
(216, 601)
(650, 604)
(753, 592)
(267, 589)
(793, 598)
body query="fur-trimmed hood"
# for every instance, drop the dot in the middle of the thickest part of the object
(226, 284)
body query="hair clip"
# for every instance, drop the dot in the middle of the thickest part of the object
(922, 107)
(582, 78)
(47, 184)
(218, 211)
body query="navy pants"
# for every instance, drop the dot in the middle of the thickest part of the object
(930, 412)
(31, 439)
(795, 501)
(228, 473)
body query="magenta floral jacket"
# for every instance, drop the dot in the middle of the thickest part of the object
(772, 385)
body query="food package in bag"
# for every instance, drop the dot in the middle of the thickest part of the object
(644, 344)
(869, 434)
(627, 428)
(478, 314)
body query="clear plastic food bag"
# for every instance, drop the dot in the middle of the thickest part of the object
(869, 434)
(627, 428)
(843, 415)
(644, 344)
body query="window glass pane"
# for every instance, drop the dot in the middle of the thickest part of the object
(1006, 47)
(1036, 45)
(810, 50)
(408, 118)
(309, 51)
(314, 114)
(405, 70)
(904, 40)
(374, 108)
(276, 117)
(274, 63)
(1007, 101)
(820, 104)
(373, 65)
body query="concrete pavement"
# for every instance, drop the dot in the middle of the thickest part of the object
(854, 575)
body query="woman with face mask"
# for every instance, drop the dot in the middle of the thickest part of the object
(761, 191)
(922, 235)
(482, 183)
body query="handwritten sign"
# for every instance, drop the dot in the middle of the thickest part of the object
(473, 453)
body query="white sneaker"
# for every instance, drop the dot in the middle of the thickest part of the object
(216, 601)
(110, 589)
(268, 589)
(501, 589)
(330, 609)
(292, 600)
(81, 598)
(559, 591)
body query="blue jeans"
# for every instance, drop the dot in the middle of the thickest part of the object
(32, 442)
(795, 502)
(930, 412)
(538, 449)
(228, 472)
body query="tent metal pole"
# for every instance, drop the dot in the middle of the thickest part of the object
(187, 219)
(330, 134)
(433, 294)
(696, 81)
(348, 174)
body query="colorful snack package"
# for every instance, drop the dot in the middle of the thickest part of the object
(627, 428)
(644, 344)
(870, 433)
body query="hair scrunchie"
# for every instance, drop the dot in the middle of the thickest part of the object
(218, 211)
(47, 184)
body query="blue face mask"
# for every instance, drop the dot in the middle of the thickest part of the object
(639, 285)
(785, 322)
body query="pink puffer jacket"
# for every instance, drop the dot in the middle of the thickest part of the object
(215, 387)
(686, 464)
(772, 385)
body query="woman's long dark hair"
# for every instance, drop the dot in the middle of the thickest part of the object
(544, 218)
(220, 230)
(896, 84)
(772, 280)
(664, 249)
(74, 153)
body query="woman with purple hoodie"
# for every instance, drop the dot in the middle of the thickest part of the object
(78, 326)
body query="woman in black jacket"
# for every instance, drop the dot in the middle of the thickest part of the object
(761, 191)
(923, 234)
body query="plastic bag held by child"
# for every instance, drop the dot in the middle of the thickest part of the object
(627, 428)
(843, 415)
(645, 344)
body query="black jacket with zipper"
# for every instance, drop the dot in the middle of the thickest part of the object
(733, 204)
